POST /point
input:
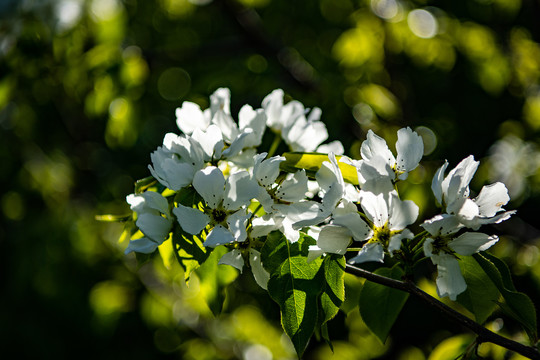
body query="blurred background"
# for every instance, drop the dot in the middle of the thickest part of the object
(88, 88)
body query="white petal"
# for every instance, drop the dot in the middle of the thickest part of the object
(219, 235)
(237, 225)
(335, 147)
(272, 105)
(233, 258)
(143, 246)
(288, 231)
(210, 184)
(375, 145)
(155, 227)
(450, 282)
(252, 119)
(303, 213)
(370, 252)
(306, 137)
(294, 187)
(240, 188)
(456, 184)
(314, 252)
(395, 241)
(190, 117)
(170, 171)
(402, 213)
(267, 171)
(211, 142)
(149, 200)
(492, 198)
(375, 207)
(241, 141)
(428, 247)
(476, 223)
(442, 225)
(436, 183)
(349, 218)
(466, 209)
(410, 149)
(334, 239)
(259, 273)
(472, 242)
(262, 226)
(191, 220)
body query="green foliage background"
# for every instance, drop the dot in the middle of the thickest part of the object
(88, 89)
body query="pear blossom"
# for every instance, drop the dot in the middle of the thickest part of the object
(442, 245)
(452, 193)
(225, 209)
(388, 216)
(298, 132)
(174, 164)
(379, 162)
(192, 120)
(153, 220)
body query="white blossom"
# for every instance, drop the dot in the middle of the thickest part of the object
(153, 220)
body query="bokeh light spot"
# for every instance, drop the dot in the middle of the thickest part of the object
(422, 23)
(256, 63)
(13, 206)
(386, 9)
(174, 83)
(429, 138)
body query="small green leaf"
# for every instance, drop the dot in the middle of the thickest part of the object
(143, 184)
(481, 296)
(214, 279)
(295, 285)
(380, 305)
(517, 305)
(113, 218)
(312, 162)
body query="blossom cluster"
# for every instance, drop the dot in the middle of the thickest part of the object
(245, 195)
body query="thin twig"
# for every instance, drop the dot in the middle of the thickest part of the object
(484, 335)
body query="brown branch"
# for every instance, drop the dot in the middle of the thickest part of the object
(484, 335)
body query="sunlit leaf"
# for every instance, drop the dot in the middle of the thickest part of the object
(312, 162)
(213, 279)
(517, 305)
(481, 295)
(380, 305)
(113, 218)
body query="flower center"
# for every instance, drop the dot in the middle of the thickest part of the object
(219, 215)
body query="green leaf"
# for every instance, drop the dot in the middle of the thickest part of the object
(333, 293)
(380, 305)
(517, 305)
(274, 251)
(189, 249)
(482, 295)
(214, 278)
(295, 285)
(312, 162)
(353, 287)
